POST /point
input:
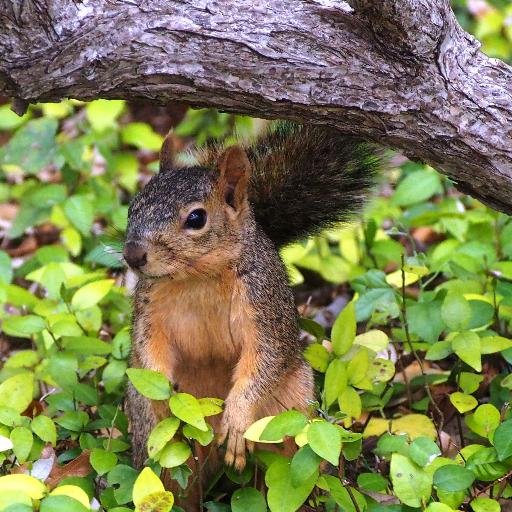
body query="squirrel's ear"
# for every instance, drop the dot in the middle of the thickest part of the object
(235, 169)
(167, 153)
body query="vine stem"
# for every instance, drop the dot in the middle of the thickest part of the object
(403, 311)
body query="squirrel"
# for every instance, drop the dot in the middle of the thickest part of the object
(213, 310)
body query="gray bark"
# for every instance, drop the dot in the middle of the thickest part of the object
(401, 72)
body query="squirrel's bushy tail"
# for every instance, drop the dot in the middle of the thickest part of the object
(306, 178)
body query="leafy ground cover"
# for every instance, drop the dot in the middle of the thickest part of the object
(408, 312)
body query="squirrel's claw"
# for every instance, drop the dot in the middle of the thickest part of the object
(232, 429)
(235, 450)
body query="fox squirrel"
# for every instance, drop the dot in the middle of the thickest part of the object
(213, 309)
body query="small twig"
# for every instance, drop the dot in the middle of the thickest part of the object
(500, 480)
(111, 429)
(350, 493)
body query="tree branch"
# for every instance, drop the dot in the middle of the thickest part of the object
(401, 72)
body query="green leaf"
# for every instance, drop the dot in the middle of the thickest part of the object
(487, 418)
(22, 440)
(469, 382)
(388, 444)
(102, 461)
(485, 505)
(174, 454)
(5, 267)
(102, 114)
(456, 312)
(282, 495)
(22, 359)
(62, 503)
(142, 136)
(312, 328)
(492, 344)
(33, 146)
(79, 210)
(304, 465)
(248, 499)
(357, 370)
(150, 383)
(317, 356)
(411, 484)
(342, 497)
(349, 403)
(63, 367)
(372, 482)
(13, 501)
(485, 464)
(503, 440)
(462, 402)
(423, 451)
(44, 428)
(23, 326)
(417, 187)
(121, 344)
(425, 321)
(211, 406)
(436, 506)
(344, 330)
(187, 408)
(113, 375)
(46, 196)
(467, 346)
(335, 381)
(122, 477)
(324, 439)
(90, 294)
(73, 420)
(453, 478)
(86, 345)
(9, 120)
(287, 423)
(203, 438)
(160, 435)
(16, 392)
(482, 314)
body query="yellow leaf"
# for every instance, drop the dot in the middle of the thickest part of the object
(477, 296)
(463, 402)
(414, 425)
(156, 502)
(302, 437)
(91, 293)
(374, 340)
(395, 278)
(253, 433)
(73, 491)
(16, 391)
(24, 484)
(147, 483)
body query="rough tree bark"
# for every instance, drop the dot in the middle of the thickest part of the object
(401, 72)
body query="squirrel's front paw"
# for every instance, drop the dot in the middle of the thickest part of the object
(232, 429)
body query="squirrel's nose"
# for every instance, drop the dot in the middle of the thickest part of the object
(135, 254)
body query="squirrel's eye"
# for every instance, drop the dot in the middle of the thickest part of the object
(196, 219)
